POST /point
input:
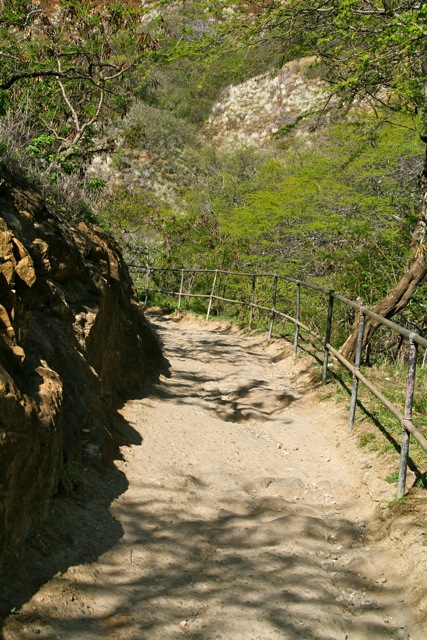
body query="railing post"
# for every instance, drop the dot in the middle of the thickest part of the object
(410, 388)
(212, 294)
(357, 360)
(222, 295)
(251, 312)
(328, 336)
(298, 317)
(180, 290)
(273, 308)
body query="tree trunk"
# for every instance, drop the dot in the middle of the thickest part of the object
(415, 271)
(394, 302)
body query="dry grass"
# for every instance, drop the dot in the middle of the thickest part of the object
(67, 194)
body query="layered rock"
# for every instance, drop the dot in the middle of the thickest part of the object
(73, 340)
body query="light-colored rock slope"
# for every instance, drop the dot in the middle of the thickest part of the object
(251, 112)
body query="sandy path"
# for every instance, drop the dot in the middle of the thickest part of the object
(245, 516)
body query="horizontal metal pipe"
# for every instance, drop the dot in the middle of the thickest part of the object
(408, 425)
(194, 295)
(247, 304)
(314, 287)
(384, 321)
(184, 295)
(134, 267)
(422, 441)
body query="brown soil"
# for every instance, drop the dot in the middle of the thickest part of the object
(241, 510)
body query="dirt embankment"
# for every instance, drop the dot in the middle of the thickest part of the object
(72, 341)
(244, 511)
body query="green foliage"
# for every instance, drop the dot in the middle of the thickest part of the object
(40, 147)
(338, 210)
(189, 87)
(160, 135)
(366, 49)
(398, 506)
(95, 185)
(392, 477)
(372, 56)
(368, 440)
(66, 73)
(4, 101)
(390, 378)
(193, 66)
(66, 194)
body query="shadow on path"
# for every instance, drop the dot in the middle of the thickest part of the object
(272, 562)
(78, 530)
(174, 562)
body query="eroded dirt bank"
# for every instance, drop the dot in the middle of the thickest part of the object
(73, 342)
(242, 511)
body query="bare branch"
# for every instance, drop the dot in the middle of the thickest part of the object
(9, 56)
(51, 73)
(74, 115)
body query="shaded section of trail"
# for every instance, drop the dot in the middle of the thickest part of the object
(246, 515)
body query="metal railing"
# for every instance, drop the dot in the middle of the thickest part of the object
(414, 340)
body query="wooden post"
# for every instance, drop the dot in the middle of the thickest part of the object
(212, 294)
(180, 290)
(328, 336)
(251, 312)
(357, 360)
(298, 317)
(273, 308)
(410, 388)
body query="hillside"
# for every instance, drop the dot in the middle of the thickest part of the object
(246, 189)
(251, 113)
(284, 137)
(195, 124)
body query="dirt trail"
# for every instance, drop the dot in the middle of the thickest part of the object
(246, 515)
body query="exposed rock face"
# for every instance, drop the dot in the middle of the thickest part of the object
(72, 341)
(251, 112)
(247, 115)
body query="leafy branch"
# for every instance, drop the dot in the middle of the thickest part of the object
(74, 67)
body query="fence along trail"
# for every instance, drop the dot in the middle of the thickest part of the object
(404, 415)
(249, 514)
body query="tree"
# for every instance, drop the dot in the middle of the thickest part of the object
(67, 69)
(373, 56)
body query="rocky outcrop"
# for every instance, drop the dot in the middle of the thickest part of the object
(252, 112)
(73, 340)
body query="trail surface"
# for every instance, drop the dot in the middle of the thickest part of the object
(242, 512)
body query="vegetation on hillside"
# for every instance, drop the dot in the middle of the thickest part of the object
(374, 55)
(109, 106)
(66, 70)
(338, 205)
